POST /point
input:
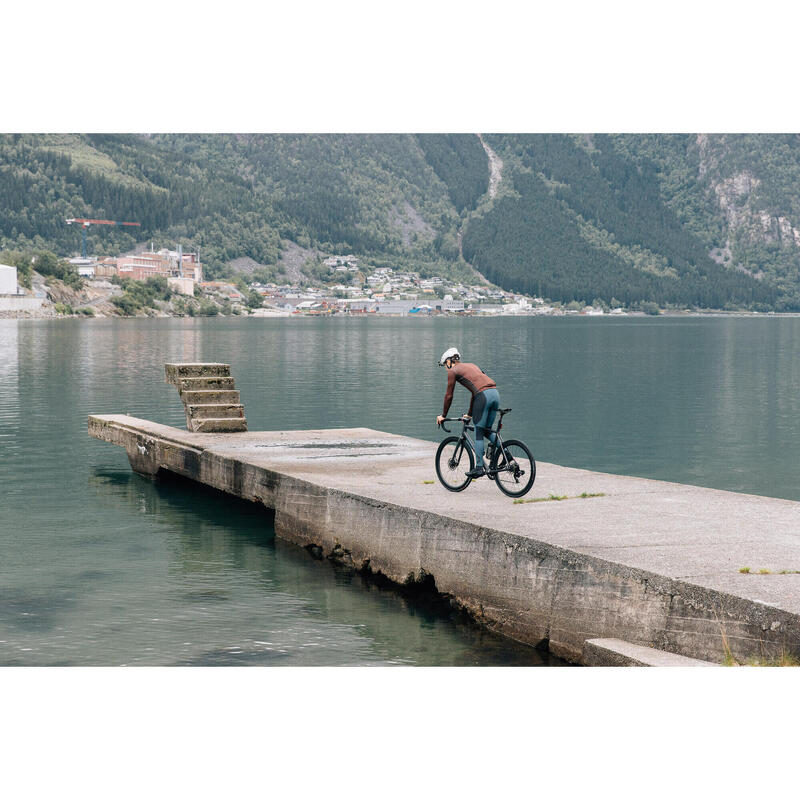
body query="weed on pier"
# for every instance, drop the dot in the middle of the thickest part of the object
(785, 659)
(558, 497)
(541, 499)
(748, 571)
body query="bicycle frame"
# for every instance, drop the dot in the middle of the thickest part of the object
(465, 440)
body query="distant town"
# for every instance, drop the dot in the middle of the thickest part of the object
(352, 288)
(347, 287)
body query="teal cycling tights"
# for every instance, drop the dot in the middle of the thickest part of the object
(484, 409)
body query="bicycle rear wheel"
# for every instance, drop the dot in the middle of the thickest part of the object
(516, 468)
(453, 461)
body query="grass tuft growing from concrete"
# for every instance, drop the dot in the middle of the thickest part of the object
(541, 499)
(764, 571)
(785, 659)
(427, 481)
(557, 497)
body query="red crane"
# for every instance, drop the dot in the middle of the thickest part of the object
(85, 223)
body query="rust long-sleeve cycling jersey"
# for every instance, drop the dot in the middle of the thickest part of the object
(469, 375)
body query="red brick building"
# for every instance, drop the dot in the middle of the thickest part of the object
(163, 264)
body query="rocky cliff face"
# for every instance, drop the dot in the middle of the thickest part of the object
(748, 177)
(740, 203)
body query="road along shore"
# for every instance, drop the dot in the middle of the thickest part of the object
(648, 562)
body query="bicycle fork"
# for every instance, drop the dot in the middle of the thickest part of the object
(455, 459)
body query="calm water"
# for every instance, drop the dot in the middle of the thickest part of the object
(99, 566)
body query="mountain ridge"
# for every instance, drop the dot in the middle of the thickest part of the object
(709, 220)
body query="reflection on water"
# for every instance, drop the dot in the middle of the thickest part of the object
(194, 577)
(99, 566)
(9, 396)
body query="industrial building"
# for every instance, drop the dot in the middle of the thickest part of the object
(163, 263)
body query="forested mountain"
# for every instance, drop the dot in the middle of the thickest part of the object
(706, 220)
(460, 161)
(585, 221)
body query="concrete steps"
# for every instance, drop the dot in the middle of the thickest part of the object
(196, 370)
(215, 410)
(199, 384)
(226, 396)
(209, 397)
(212, 425)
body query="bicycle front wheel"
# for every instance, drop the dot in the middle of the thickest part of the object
(516, 468)
(453, 461)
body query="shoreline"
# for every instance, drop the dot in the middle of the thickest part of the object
(50, 314)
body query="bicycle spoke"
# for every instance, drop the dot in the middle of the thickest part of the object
(514, 468)
(453, 462)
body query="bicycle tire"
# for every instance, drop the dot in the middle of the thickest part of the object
(512, 485)
(459, 481)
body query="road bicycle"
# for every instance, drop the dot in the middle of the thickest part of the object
(511, 463)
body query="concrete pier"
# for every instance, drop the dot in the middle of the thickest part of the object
(651, 563)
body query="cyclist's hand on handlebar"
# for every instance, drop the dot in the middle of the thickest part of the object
(466, 417)
(439, 419)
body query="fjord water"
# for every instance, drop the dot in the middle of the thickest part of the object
(101, 566)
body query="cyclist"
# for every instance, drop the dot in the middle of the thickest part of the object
(483, 405)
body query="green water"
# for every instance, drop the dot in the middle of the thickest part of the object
(99, 566)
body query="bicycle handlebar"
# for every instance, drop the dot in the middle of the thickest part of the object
(455, 419)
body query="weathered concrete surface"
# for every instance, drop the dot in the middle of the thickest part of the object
(616, 653)
(195, 369)
(198, 384)
(651, 563)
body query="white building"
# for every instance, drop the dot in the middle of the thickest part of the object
(448, 305)
(341, 261)
(394, 306)
(8, 279)
(430, 283)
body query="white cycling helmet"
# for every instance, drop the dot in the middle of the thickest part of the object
(451, 352)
